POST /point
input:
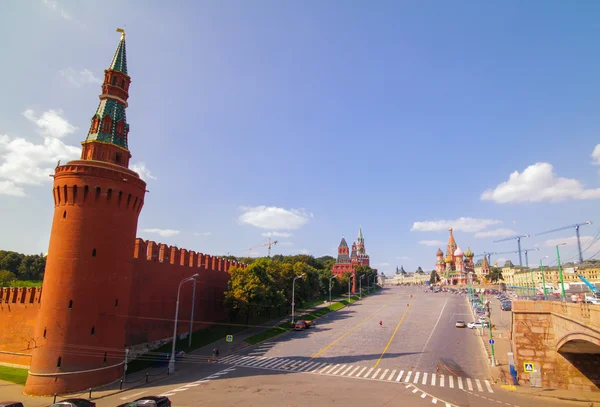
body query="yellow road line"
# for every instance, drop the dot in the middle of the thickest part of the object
(352, 329)
(393, 335)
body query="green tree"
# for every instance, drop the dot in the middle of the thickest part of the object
(494, 275)
(6, 278)
(434, 278)
(10, 261)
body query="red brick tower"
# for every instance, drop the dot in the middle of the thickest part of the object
(87, 284)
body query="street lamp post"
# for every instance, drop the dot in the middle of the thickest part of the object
(534, 291)
(543, 277)
(293, 294)
(560, 271)
(349, 281)
(172, 359)
(360, 284)
(331, 278)
(192, 315)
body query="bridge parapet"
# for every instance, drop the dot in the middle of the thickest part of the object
(561, 339)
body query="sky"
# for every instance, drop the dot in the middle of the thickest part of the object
(301, 121)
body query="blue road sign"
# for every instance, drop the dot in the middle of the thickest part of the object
(491, 341)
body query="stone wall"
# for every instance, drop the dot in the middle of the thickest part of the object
(554, 336)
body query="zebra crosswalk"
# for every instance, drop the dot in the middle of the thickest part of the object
(404, 376)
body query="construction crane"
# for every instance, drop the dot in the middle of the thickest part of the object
(494, 253)
(576, 226)
(273, 243)
(518, 245)
(529, 250)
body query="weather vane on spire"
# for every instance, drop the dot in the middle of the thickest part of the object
(122, 31)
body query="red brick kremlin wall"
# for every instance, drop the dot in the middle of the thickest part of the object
(157, 271)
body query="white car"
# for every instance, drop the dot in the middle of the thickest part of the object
(477, 324)
(592, 300)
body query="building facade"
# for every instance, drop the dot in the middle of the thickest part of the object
(524, 277)
(347, 260)
(104, 291)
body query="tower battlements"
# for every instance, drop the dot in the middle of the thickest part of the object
(20, 296)
(161, 253)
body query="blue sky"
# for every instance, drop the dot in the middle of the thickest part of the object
(308, 119)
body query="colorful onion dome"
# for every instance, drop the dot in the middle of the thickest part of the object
(469, 253)
(439, 252)
(448, 259)
(458, 252)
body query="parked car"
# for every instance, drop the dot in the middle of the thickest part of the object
(460, 324)
(148, 401)
(301, 325)
(477, 324)
(506, 306)
(11, 404)
(74, 403)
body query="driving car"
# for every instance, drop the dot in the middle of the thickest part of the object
(148, 401)
(477, 324)
(11, 404)
(460, 324)
(74, 403)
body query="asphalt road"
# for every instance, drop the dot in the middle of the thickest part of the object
(349, 358)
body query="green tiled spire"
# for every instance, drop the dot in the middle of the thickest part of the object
(119, 62)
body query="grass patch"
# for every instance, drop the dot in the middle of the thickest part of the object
(269, 333)
(13, 374)
(26, 283)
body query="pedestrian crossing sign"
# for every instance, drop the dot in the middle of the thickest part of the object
(229, 338)
(528, 367)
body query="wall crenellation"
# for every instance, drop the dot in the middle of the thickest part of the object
(20, 295)
(161, 253)
(68, 195)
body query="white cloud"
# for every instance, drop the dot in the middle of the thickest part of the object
(431, 242)
(53, 5)
(460, 224)
(304, 251)
(50, 123)
(570, 241)
(142, 171)
(79, 78)
(9, 188)
(274, 218)
(596, 155)
(569, 251)
(202, 234)
(538, 183)
(162, 232)
(496, 233)
(277, 234)
(24, 162)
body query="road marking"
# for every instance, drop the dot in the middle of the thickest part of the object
(351, 329)
(179, 390)
(431, 334)
(337, 370)
(256, 361)
(487, 384)
(383, 374)
(133, 395)
(423, 395)
(368, 373)
(448, 405)
(460, 385)
(415, 390)
(297, 367)
(392, 374)
(451, 379)
(376, 373)
(441, 380)
(400, 375)
(167, 394)
(478, 383)
(469, 384)
(309, 366)
(192, 385)
(424, 378)
(319, 366)
(433, 379)
(264, 362)
(331, 369)
(361, 370)
(407, 379)
(434, 401)
(394, 334)
(416, 378)
(354, 370)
